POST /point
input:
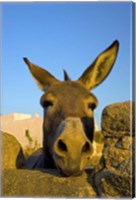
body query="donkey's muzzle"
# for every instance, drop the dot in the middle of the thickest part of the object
(72, 149)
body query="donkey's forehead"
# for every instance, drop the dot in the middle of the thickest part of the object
(67, 89)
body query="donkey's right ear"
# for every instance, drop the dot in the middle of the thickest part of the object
(101, 67)
(43, 78)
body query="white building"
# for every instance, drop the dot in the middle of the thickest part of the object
(19, 125)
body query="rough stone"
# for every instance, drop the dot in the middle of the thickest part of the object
(116, 179)
(45, 183)
(118, 119)
(12, 154)
(116, 158)
(125, 143)
(112, 184)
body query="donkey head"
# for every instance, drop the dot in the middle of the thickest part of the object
(68, 125)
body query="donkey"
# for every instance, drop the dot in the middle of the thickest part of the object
(68, 124)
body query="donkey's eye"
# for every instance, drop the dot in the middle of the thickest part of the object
(46, 104)
(92, 106)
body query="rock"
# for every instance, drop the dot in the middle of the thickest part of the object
(12, 154)
(116, 120)
(45, 183)
(116, 158)
(111, 184)
(119, 143)
(124, 143)
(115, 179)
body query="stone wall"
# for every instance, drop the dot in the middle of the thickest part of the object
(12, 152)
(111, 172)
(117, 176)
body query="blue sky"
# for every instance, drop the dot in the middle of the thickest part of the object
(59, 36)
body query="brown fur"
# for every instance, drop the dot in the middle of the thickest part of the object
(68, 125)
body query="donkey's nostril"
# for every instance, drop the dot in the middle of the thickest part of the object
(86, 147)
(62, 146)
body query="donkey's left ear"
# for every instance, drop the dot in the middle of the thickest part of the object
(43, 78)
(101, 67)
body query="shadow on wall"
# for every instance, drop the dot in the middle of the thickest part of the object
(20, 160)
